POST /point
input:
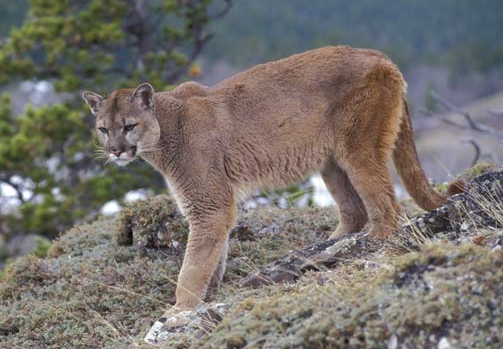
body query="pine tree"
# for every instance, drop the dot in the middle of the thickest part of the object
(46, 154)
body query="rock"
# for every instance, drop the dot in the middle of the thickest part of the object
(443, 296)
(193, 323)
(444, 343)
(376, 299)
(482, 201)
(477, 207)
(157, 223)
(153, 223)
(393, 342)
(318, 256)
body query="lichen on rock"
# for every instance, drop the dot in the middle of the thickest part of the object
(479, 206)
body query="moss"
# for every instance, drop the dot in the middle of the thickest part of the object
(42, 247)
(468, 174)
(29, 271)
(90, 291)
(442, 291)
(476, 170)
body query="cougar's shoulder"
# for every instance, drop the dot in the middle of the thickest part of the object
(190, 89)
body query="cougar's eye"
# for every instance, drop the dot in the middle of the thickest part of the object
(103, 129)
(129, 127)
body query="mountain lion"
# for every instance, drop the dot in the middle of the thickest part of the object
(337, 110)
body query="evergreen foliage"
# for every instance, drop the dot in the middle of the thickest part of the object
(46, 154)
(464, 35)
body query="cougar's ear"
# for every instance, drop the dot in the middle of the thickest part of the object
(144, 96)
(93, 100)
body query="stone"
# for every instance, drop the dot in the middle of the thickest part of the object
(194, 323)
(315, 257)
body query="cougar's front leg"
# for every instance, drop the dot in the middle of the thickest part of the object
(210, 221)
(205, 247)
(211, 218)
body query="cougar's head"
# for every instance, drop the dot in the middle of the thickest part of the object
(125, 122)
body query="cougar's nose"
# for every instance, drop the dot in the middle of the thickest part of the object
(117, 152)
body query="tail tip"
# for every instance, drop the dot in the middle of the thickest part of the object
(456, 187)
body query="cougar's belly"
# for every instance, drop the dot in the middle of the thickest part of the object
(254, 166)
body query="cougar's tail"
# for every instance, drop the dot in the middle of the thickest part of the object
(411, 173)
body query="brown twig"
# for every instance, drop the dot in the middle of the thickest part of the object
(477, 150)
(471, 124)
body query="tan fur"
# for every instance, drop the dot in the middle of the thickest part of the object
(337, 110)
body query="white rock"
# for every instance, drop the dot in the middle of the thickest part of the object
(185, 323)
(393, 342)
(444, 343)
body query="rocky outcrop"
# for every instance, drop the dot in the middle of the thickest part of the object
(480, 206)
(161, 226)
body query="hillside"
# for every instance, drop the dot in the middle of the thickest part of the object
(436, 283)
(461, 34)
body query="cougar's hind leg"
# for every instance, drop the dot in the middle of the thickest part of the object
(366, 149)
(352, 213)
(370, 176)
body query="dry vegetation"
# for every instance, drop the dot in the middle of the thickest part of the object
(96, 290)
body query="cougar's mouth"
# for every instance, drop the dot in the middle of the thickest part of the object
(125, 157)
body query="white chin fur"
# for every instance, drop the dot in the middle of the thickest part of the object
(123, 160)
